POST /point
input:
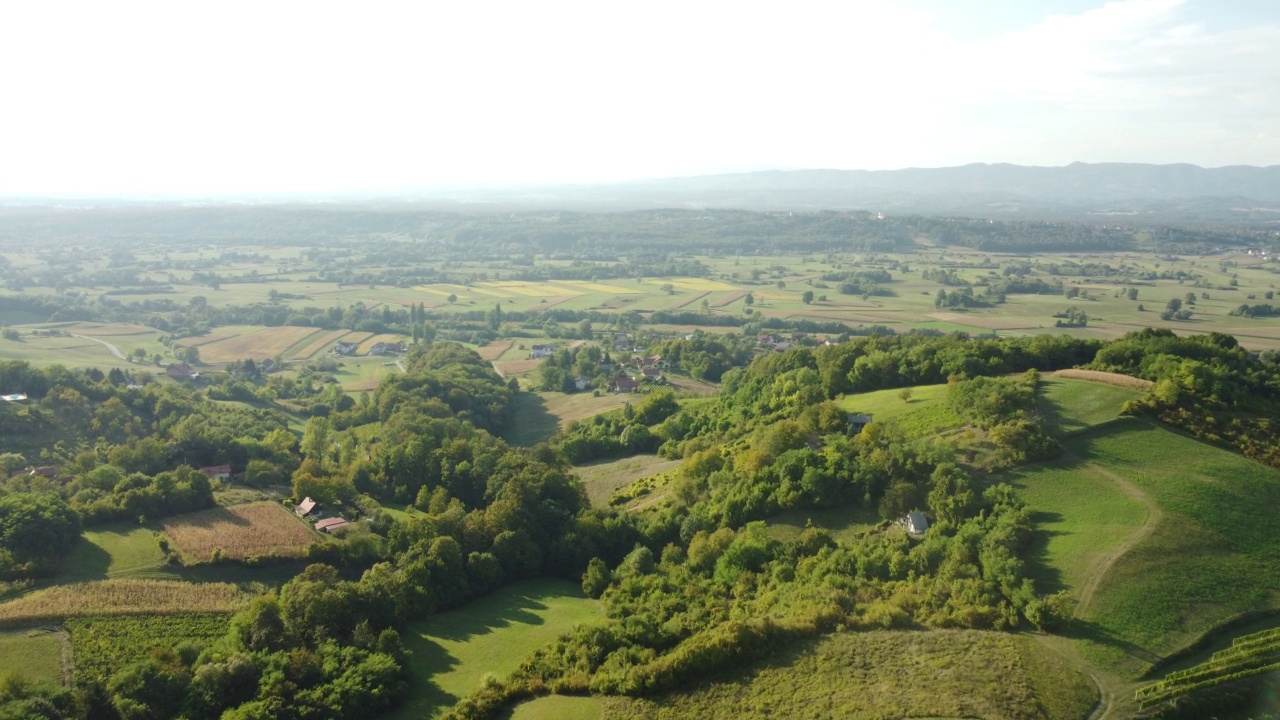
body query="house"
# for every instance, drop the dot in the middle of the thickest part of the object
(266, 365)
(581, 383)
(768, 340)
(330, 524)
(134, 386)
(858, 422)
(180, 371)
(43, 471)
(217, 472)
(306, 507)
(541, 351)
(386, 348)
(915, 523)
(16, 397)
(344, 348)
(624, 384)
(651, 373)
(782, 346)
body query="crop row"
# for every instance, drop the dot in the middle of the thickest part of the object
(101, 646)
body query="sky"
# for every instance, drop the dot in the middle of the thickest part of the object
(205, 98)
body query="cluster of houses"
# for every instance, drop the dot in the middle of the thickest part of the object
(642, 370)
(310, 509)
(348, 349)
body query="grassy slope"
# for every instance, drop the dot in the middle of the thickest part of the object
(1209, 558)
(557, 707)
(118, 550)
(926, 411)
(886, 674)
(453, 651)
(540, 415)
(32, 654)
(601, 478)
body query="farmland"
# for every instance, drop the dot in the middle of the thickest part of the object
(113, 551)
(104, 645)
(453, 651)
(238, 532)
(601, 479)
(120, 597)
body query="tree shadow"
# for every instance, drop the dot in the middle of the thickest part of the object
(86, 561)
(1048, 578)
(530, 422)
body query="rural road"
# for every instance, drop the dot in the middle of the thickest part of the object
(114, 350)
(1103, 565)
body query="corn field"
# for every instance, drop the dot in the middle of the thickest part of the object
(121, 597)
(238, 532)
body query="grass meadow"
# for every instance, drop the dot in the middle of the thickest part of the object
(601, 479)
(540, 415)
(1209, 558)
(939, 674)
(33, 655)
(453, 651)
(116, 550)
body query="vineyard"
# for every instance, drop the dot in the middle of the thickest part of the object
(1248, 656)
(121, 597)
(103, 645)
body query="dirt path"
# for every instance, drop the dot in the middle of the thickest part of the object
(1108, 559)
(1113, 694)
(114, 350)
(68, 661)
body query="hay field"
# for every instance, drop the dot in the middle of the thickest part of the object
(260, 343)
(121, 597)
(319, 343)
(1124, 381)
(239, 531)
(494, 350)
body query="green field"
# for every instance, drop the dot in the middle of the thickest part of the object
(34, 655)
(453, 651)
(925, 411)
(558, 707)
(1210, 557)
(1071, 405)
(844, 523)
(538, 416)
(940, 674)
(118, 550)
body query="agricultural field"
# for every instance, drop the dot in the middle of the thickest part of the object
(359, 374)
(541, 415)
(33, 655)
(254, 530)
(257, 343)
(924, 410)
(1069, 404)
(939, 674)
(558, 707)
(120, 597)
(102, 646)
(453, 651)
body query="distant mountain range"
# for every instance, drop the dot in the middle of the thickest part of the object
(1237, 194)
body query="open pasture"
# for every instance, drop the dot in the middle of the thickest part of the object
(116, 550)
(453, 651)
(241, 531)
(121, 597)
(33, 655)
(359, 374)
(317, 343)
(540, 415)
(885, 674)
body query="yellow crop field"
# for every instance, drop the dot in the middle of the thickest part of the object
(239, 531)
(603, 288)
(319, 343)
(122, 597)
(533, 289)
(699, 284)
(264, 343)
(1124, 381)
(484, 289)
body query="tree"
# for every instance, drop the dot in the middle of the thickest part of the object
(596, 578)
(807, 298)
(781, 284)
(905, 395)
(750, 299)
(1133, 293)
(1174, 304)
(315, 438)
(452, 298)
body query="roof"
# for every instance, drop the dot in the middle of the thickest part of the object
(859, 419)
(626, 383)
(332, 523)
(45, 471)
(917, 523)
(306, 506)
(13, 398)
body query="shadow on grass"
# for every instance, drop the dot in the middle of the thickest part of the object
(530, 423)
(86, 561)
(1048, 578)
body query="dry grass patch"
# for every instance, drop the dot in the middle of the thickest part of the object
(730, 298)
(122, 597)
(1124, 381)
(685, 302)
(515, 367)
(494, 350)
(239, 531)
(115, 330)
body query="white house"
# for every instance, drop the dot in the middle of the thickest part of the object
(916, 523)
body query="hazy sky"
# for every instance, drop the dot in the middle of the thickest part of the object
(265, 96)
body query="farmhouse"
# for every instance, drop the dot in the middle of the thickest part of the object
(623, 384)
(16, 397)
(916, 523)
(180, 371)
(43, 471)
(385, 348)
(581, 383)
(217, 472)
(541, 351)
(858, 422)
(306, 507)
(651, 373)
(344, 348)
(331, 524)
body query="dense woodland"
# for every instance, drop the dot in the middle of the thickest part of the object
(690, 587)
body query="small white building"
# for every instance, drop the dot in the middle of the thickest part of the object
(915, 523)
